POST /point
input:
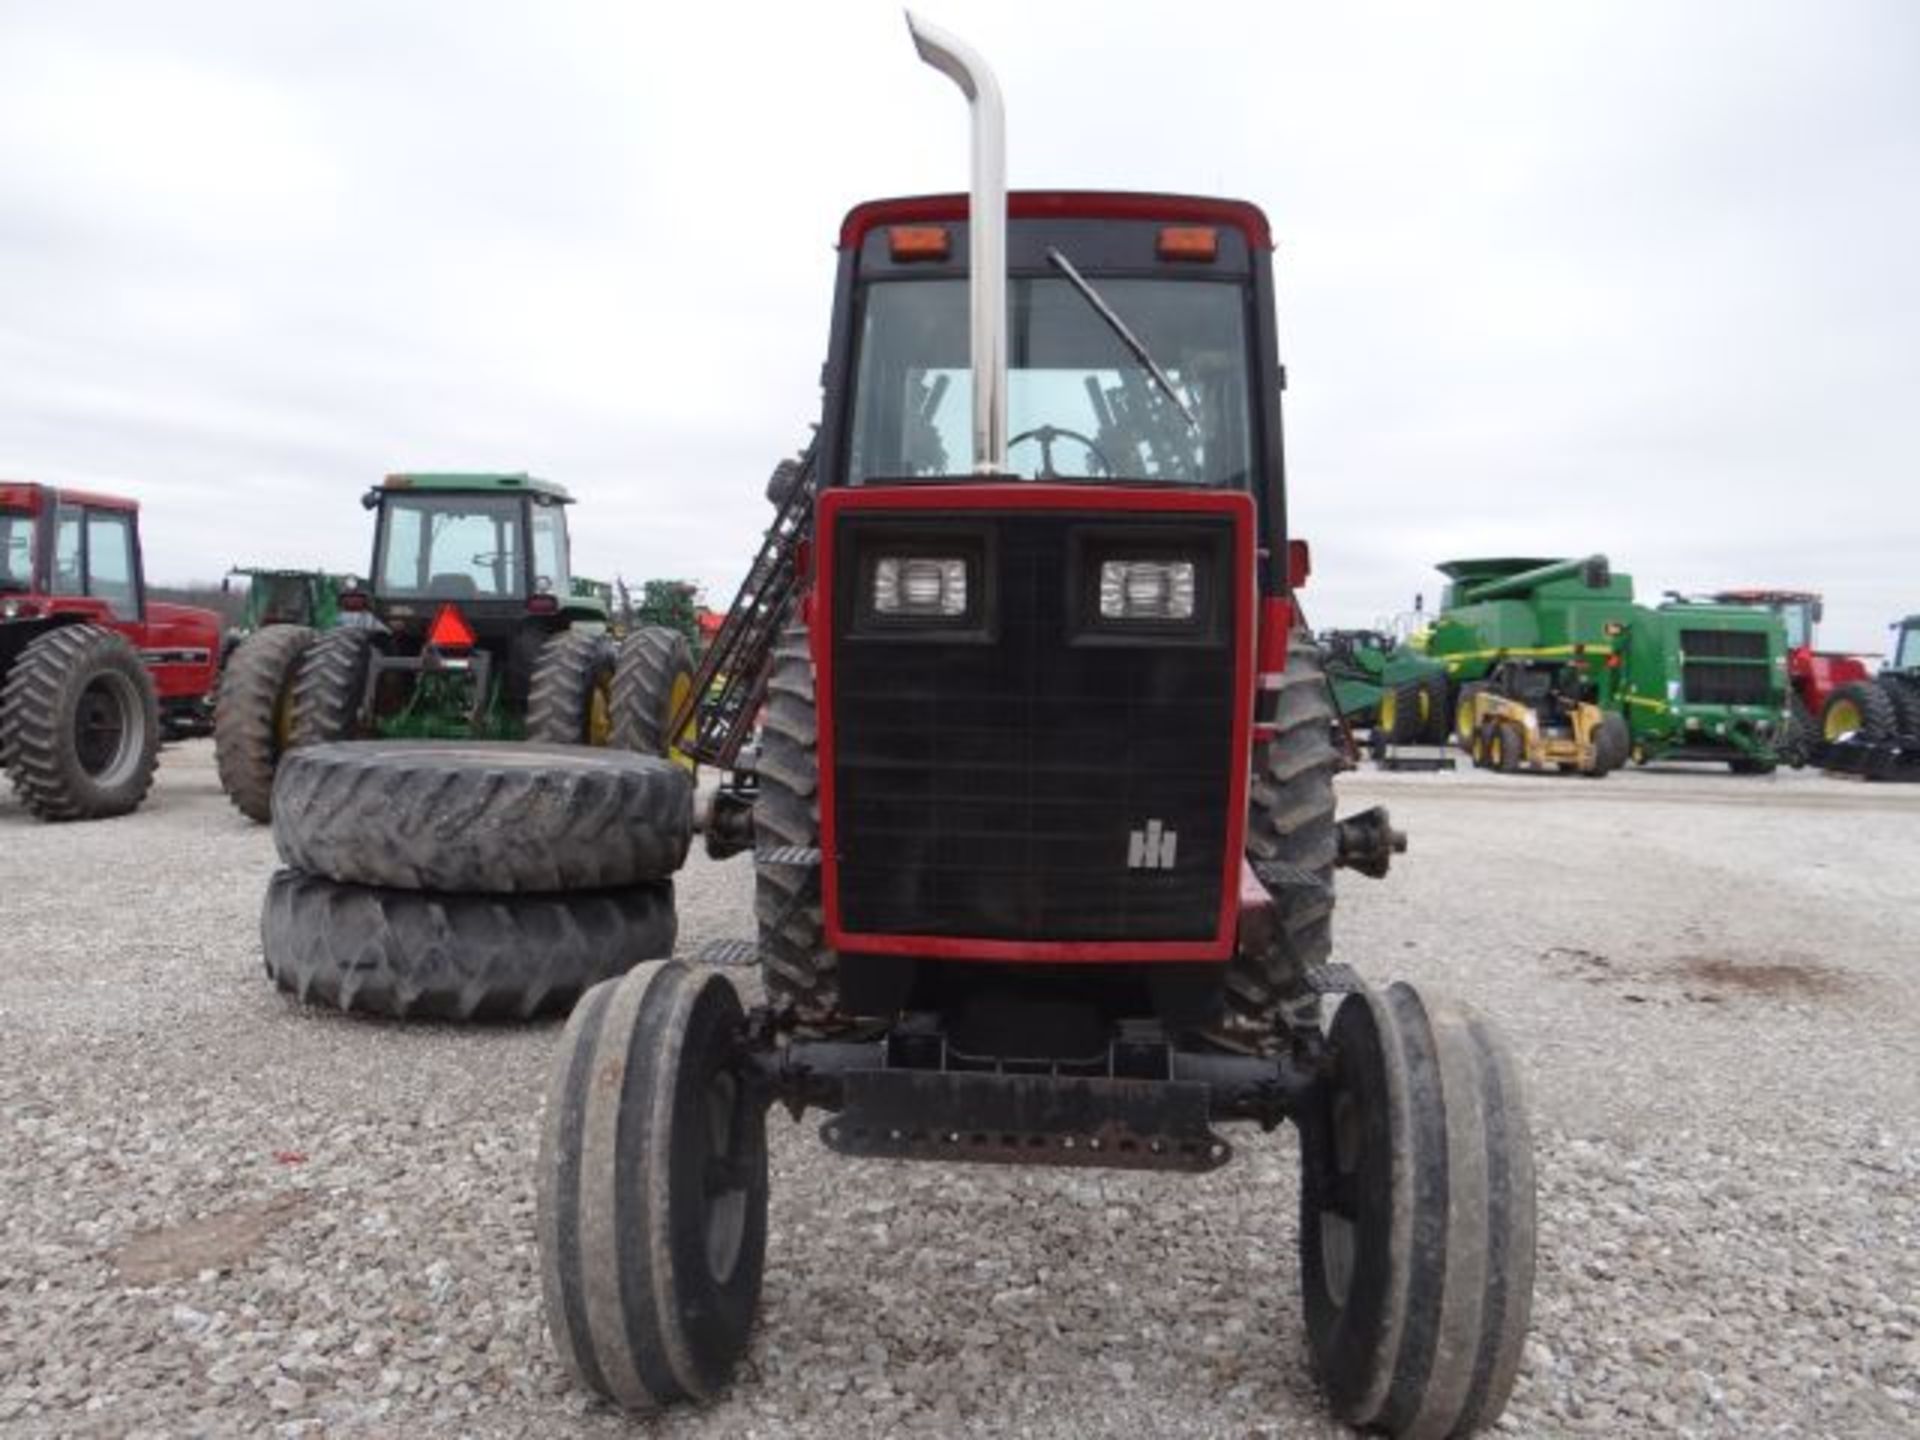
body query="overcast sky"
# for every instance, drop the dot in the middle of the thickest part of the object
(1639, 278)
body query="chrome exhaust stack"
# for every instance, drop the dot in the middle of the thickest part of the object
(986, 236)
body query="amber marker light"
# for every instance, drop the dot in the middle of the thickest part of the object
(917, 242)
(1189, 242)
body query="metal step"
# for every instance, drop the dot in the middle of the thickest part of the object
(1334, 980)
(728, 954)
(801, 857)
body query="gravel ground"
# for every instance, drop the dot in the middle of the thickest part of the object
(225, 1213)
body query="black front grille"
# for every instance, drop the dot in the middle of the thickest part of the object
(1724, 644)
(994, 780)
(1725, 667)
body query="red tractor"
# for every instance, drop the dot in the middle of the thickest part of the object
(1817, 677)
(1042, 815)
(92, 673)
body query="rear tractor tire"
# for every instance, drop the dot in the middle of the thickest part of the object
(1803, 733)
(405, 954)
(1290, 821)
(651, 1203)
(1438, 711)
(652, 681)
(80, 725)
(1862, 710)
(1404, 713)
(570, 701)
(1416, 1217)
(481, 817)
(253, 718)
(797, 967)
(330, 686)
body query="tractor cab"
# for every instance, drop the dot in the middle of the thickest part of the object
(1906, 647)
(470, 577)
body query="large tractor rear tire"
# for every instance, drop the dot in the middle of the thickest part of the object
(1416, 1218)
(330, 686)
(1904, 691)
(1861, 709)
(796, 965)
(1438, 711)
(651, 683)
(651, 1201)
(409, 955)
(80, 725)
(571, 699)
(1403, 713)
(253, 718)
(482, 817)
(1290, 822)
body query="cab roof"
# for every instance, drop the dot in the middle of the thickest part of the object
(1241, 215)
(472, 481)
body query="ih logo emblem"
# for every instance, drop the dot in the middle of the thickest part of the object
(1151, 847)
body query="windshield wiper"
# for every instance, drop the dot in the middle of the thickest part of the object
(1119, 328)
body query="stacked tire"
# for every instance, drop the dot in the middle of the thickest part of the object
(470, 880)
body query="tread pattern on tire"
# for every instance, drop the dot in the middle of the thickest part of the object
(651, 659)
(329, 686)
(1904, 695)
(481, 817)
(1429, 1338)
(571, 667)
(408, 955)
(36, 724)
(256, 683)
(630, 1303)
(796, 965)
(1290, 819)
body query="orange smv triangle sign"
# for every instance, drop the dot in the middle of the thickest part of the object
(450, 630)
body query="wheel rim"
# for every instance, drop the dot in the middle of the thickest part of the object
(1463, 719)
(1337, 1228)
(1425, 707)
(1843, 717)
(1389, 712)
(106, 729)
(600, 712)
(726, 1178)
(676, 700)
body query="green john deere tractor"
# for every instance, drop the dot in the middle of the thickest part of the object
(471, 626)
(1386, 687)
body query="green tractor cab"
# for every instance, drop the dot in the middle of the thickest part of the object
(470, 626)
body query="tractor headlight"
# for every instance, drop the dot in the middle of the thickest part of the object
(1146, 589)
(920, 585)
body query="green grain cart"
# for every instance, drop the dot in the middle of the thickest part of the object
(1692, 681)
(1386, 687)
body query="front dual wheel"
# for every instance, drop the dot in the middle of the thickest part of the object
(652, 1198)
(1416, 1218)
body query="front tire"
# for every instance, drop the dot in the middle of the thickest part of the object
(651, 1198)
(80, 725)
(1416, 1217)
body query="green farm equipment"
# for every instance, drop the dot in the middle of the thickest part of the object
(1693, 681)
(287, 597)
(470, 627)
(1384, 686)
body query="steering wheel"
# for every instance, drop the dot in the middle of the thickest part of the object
(1047, 434)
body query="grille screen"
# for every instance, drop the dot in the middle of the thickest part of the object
(1724, 644)
(997, 779)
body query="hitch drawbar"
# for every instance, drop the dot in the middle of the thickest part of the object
(1142, 1105)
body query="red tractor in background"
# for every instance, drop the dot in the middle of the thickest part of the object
(1818, 678)
(92, 673)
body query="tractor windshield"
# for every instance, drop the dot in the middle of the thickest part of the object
(1799, 622)
(283, 600)
(1080, 405)
(452, 547)
(16, 550)
(1906, 655)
